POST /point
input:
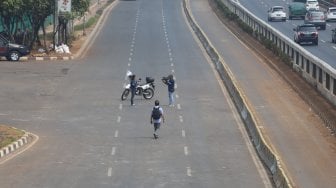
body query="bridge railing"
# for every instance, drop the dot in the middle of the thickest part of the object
(327, 3)
(314, 70)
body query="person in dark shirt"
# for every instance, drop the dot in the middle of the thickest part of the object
(171, 88)
(133, 86)
(156, 118)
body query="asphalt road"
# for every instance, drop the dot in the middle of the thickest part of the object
(89, 138)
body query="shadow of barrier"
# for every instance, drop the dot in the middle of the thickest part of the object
(267, 156)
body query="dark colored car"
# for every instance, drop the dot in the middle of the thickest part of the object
(306, 33)
(301, 1)
(296, 10)
(333, 35)
(317, 18)
(11, 51)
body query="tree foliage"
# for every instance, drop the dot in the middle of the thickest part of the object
(18, 15)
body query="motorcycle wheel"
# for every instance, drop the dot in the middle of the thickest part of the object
(125, 94)
(148, 93)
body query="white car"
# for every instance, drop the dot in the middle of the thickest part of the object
(277, 13)
(312, 5)
(331, 14)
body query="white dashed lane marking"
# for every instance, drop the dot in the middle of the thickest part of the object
(181, 118)
(183, 134)
(179, 106)
(113, 151)
(189, 171)
(120, 106)
(119, 118)
(109, 172)
(186, 150)
(116, 134)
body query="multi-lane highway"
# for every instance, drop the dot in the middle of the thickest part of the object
(326, 50)
(90, 138)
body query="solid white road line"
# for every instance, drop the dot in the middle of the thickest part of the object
(116, 134)
(109, 172)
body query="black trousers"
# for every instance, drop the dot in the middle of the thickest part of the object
(132, 96)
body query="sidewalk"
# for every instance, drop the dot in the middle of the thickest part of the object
(297, 135)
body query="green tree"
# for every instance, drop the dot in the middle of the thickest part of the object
(79, 7)
(37, 11)
(11, 15)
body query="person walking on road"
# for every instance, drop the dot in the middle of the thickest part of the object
(156, 118)
(133, 86)
(170, 82)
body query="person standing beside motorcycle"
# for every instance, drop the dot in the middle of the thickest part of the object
(133, 86)
(170, 82)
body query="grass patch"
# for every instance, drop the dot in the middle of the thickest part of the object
(89, 23)
(9, 135)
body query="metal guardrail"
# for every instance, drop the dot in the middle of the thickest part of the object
(327, 4)
(314, 70)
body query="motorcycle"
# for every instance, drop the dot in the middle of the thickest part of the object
(146, 90)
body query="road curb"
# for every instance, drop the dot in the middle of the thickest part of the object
(24, 140)
(47, 58)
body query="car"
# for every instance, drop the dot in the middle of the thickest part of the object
(331, 14)
(333, 35)
(312, 5)
(317, 18)
(306, 33)
(296, 10)
(277, 13)
(11, 51)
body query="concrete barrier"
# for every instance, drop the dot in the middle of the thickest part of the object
(264, 151)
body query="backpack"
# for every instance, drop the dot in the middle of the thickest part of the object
(156, 113)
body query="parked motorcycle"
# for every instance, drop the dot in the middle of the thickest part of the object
(146, 90)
